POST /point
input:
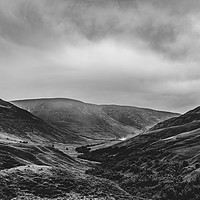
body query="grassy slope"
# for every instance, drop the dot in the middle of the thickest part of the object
(140, 118)
(22, 124)
(157, 164)
(15, 154)
(93, 121)
(39, 169)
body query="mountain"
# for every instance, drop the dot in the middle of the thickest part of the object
(93, 122)
(17, 124)
(187, 122)
(162, 163)
(187, 118)
(140, 118)
(32, 168)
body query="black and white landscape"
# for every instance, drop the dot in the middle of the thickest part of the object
(99, 100)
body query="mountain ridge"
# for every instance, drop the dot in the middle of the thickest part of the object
(22, 124)
(187, 122)
(91, 120)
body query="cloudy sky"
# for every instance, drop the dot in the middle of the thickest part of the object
(132, 52)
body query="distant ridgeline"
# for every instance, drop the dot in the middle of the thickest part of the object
(90, 122)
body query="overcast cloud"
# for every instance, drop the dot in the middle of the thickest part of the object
(133, 52)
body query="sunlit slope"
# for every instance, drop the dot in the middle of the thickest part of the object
(19, 123)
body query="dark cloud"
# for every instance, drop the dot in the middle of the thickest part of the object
(160, 24)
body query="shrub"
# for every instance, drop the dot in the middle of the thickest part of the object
(82, 149)
(185, 163)
(197, 165)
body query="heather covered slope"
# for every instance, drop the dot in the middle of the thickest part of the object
(93, 121)
(52, 182)
(163, 163)
(16, 124)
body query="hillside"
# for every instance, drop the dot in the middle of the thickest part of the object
(186, 119)
(92, 121)
(33, 171)
(190, 121)
(140, 118)
(35, 182)
(34, 165)
(163, 163)
(19, 124)
(21, 154)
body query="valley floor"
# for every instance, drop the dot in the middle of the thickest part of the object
(42, 172)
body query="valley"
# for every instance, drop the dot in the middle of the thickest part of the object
(162, 163)
(99, 100)
(153, 155)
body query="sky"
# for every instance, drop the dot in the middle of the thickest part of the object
(141, 53)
